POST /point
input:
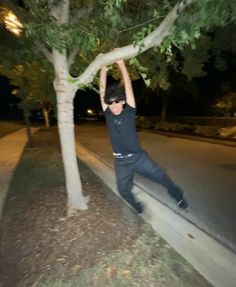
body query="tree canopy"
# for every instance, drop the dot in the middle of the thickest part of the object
(83, 29)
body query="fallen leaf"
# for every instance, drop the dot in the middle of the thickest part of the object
(76, 267)
(110, 272)
(126, 273)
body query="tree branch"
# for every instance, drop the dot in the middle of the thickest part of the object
(72, 56)
(183, 4)
(153, 39)
(136, 26)
(61, 11)
(65, 12)
(44, 50)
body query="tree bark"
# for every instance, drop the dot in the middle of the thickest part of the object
(46, 118)
(165, 101)
(67, 139)
(28, 129)
(65, 95)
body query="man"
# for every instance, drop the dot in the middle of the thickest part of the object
(119, 109)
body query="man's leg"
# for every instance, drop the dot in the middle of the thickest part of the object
(124, 177)
(149, 169)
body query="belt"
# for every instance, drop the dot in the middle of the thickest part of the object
(120, 155)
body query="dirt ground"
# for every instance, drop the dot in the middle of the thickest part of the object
(106, 245)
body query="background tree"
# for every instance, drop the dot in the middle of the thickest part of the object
(34, 87)
(40, 90)
(15, 75)
(19, 65)
(78, 31)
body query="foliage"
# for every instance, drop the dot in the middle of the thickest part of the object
(215, 131)
(113, 11)
(204, 15)
(33, 85)
(141, 70)
(27, 70)
(194, 57)
(62, 37)
(114, 23)
(133, 20)
(229, 132)
(208, 131)
(226, 105)
(193, 42)
(200, 130)
(21, 48)
(155, 70)
(173, 127)
(144, 123)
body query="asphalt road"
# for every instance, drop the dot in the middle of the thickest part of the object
(206, 172)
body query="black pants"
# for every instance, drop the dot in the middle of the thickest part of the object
(142, 164)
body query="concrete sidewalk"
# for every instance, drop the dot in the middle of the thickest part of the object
(209, 257)
(11, 148)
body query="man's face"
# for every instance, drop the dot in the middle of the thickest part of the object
(116, 108)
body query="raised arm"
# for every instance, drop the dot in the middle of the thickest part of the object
(102, 86)
(128, 84)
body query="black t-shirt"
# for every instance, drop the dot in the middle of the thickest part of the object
(122, 131)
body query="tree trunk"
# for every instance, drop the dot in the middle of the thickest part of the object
(165, 101)
(76, 199)
(46, 118)
(65, 94)
(28, 128)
